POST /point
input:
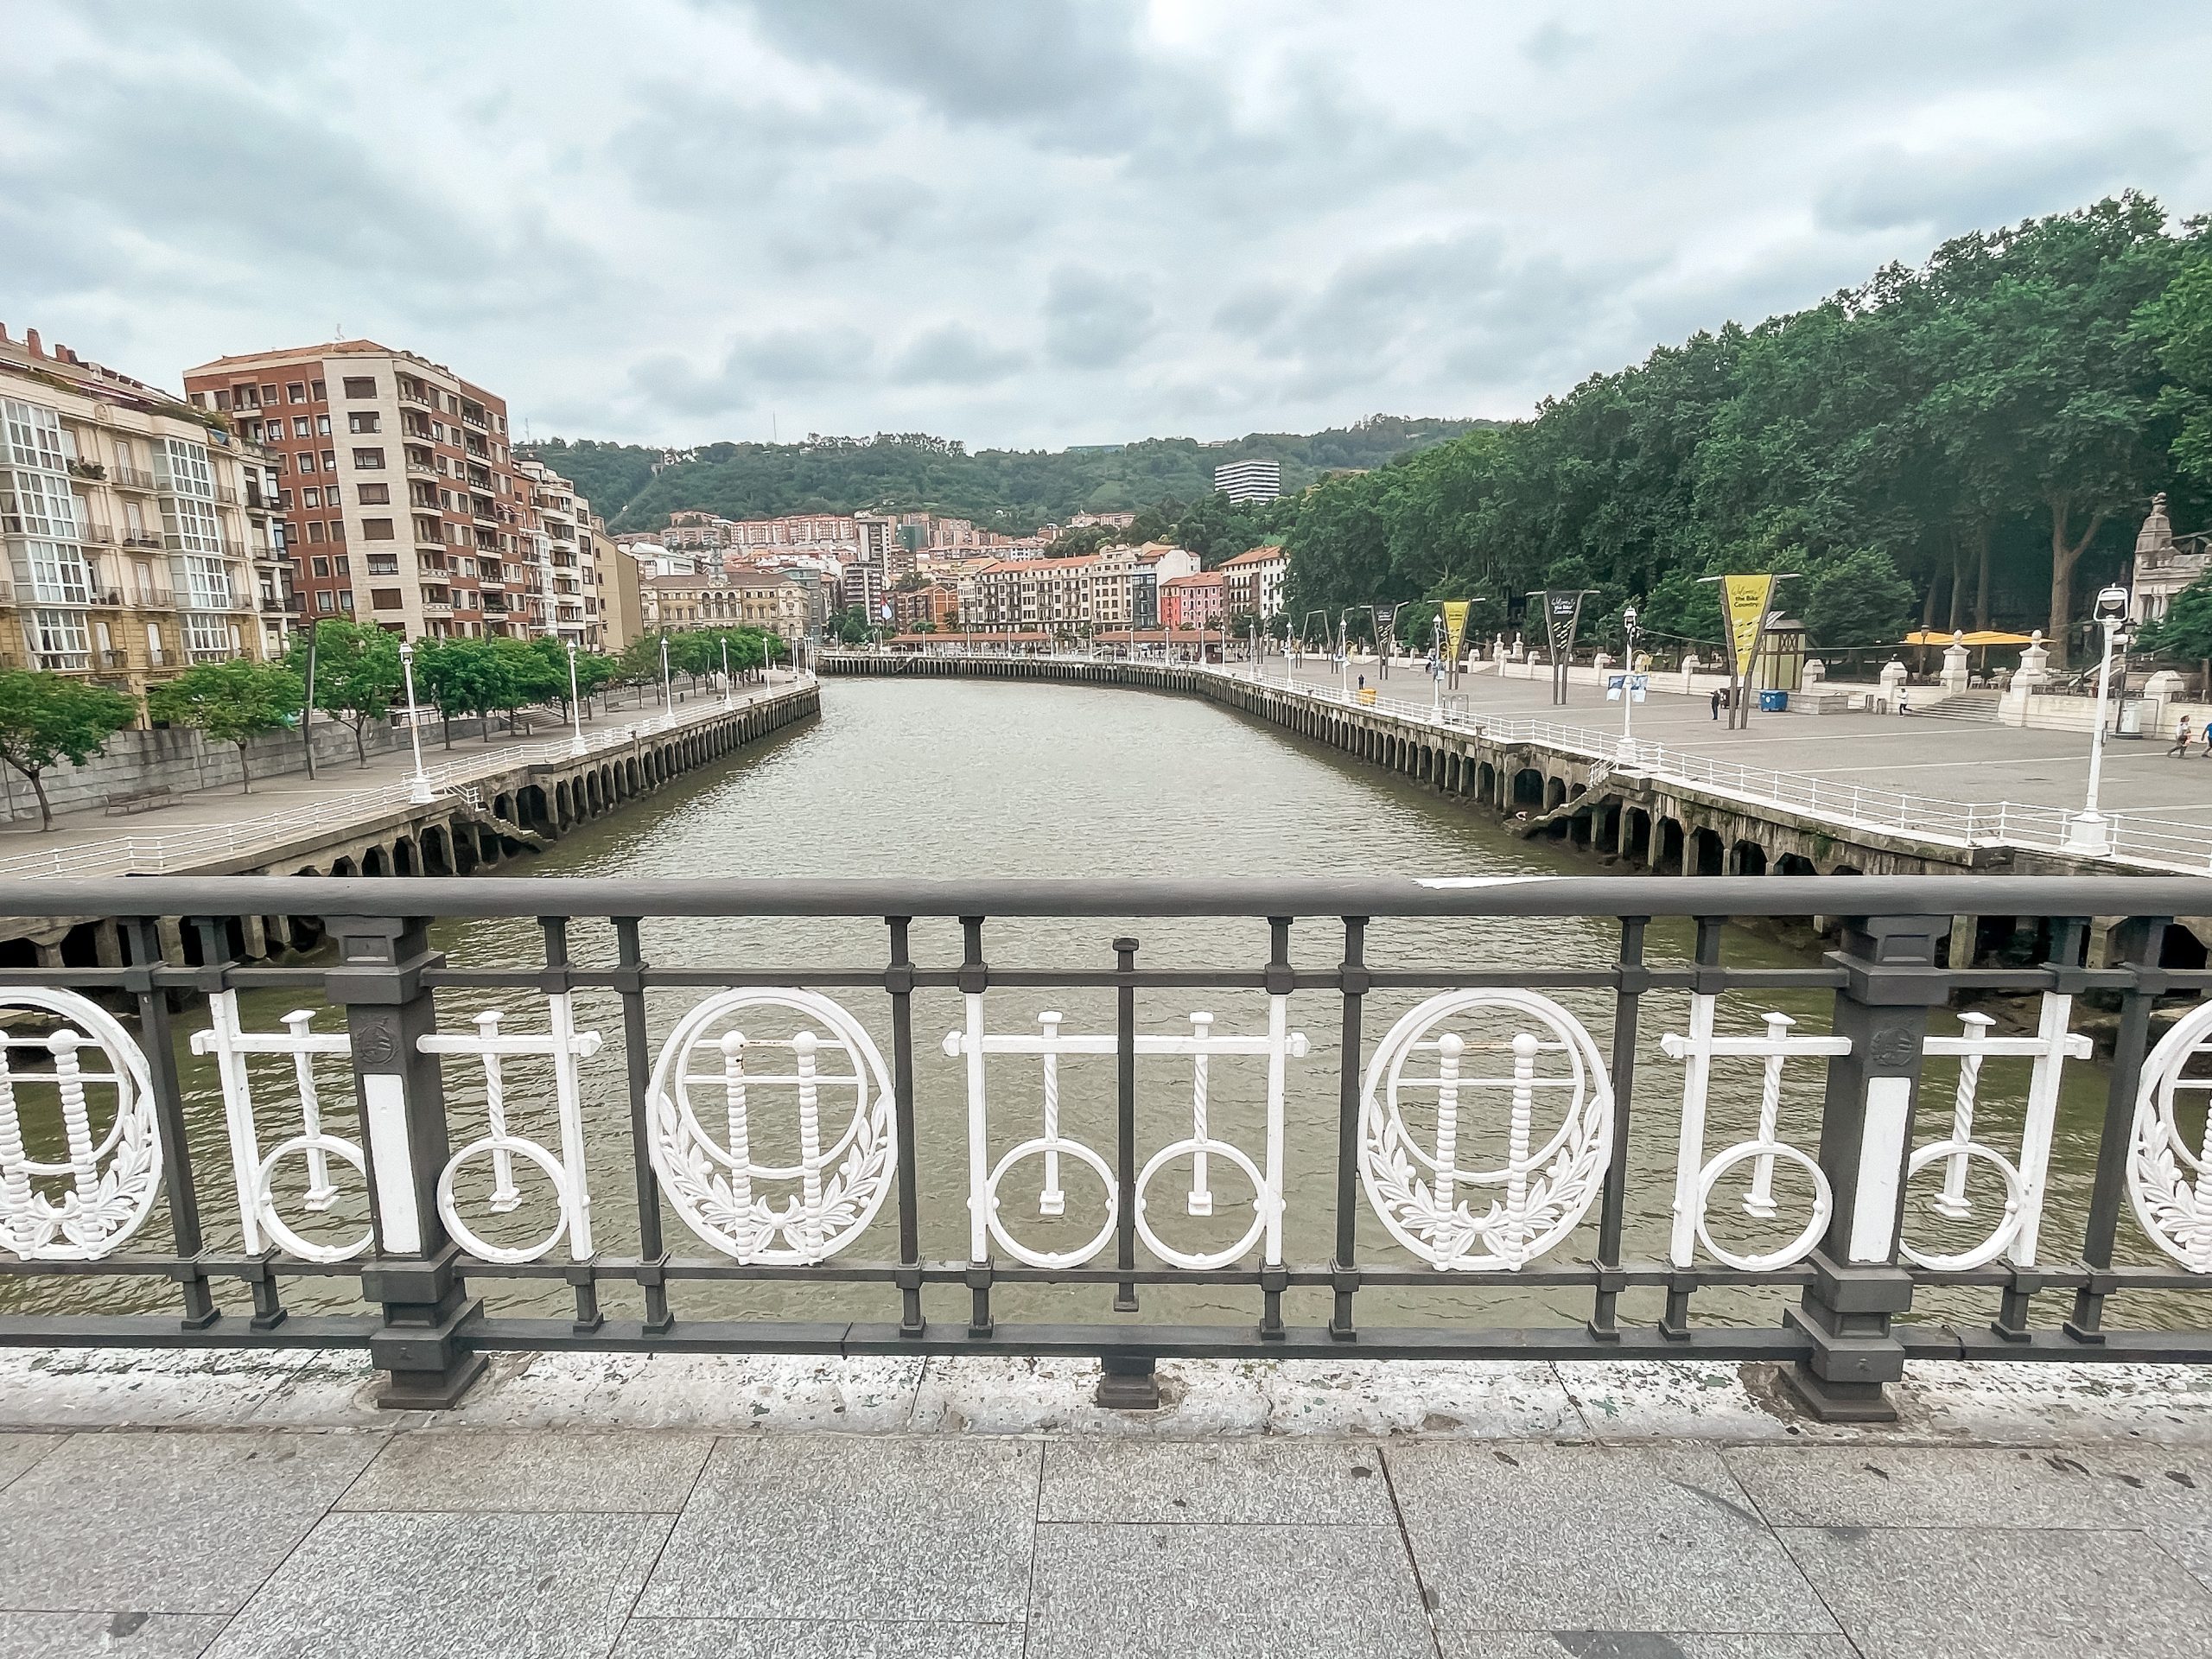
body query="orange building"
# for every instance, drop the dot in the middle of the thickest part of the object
(1196, 601)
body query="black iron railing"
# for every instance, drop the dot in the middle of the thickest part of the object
(1506, 1118)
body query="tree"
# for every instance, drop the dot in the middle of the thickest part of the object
(522, 676)
(853, 627)
(2177, 327)
(357, 673)
(229, 703)
(462, 676)
(49, 717)
(1857, 599)
(2185, 633)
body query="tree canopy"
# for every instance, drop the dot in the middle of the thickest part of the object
(1977, 437)
(356, 677)
(44, 718)
(231, 702)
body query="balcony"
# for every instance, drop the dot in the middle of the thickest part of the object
(104, 599)
(417, 395)
(233, 549)
(420, 468)
(129, 477)
(90, 469)
(227, 495)
(92, 535)
(141, 537)
(152, 599)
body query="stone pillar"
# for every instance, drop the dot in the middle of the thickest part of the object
(1814, 671)
(1956, 667)
(1893, 678)
(1865, 1141)
(1691, 663)
(2160, 692)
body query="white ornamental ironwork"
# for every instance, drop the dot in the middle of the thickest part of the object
(254, 1170)
(567, 1047)
(1695, 1175)
(111, 1181)
(2169, 1182)
(720, 1185)
(1426, 1195)
(2026, 1178)
(1049, 1044)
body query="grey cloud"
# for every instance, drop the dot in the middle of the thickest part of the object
(693, 149)
(1251, 311)
(1553, 45)
(1093, 321)
(777, 359)
(1890, 189)
(953, 354)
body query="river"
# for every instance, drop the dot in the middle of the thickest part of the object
(939, 777)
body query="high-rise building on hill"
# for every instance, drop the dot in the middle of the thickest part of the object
(1243, 481)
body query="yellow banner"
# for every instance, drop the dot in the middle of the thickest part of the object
(1747, 599)
(1455, 626)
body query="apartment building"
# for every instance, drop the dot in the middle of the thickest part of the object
(1254, 581)
(614, 574)
(932, 607)
(397, 484)
(773, 600)
(1245, 481)
(1194, 602)
(139, 533)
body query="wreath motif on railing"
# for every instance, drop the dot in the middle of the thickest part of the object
(2173, 1207)
(114, 1180)
(712, 1182)
(1547, 1189)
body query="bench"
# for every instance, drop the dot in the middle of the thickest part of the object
(139, 800)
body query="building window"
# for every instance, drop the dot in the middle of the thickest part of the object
(375, 495)
(207, 639)
(295, 392)
(345, 600)
(343, 565)
(387, 599)
(269, 397)
(206, 583)
(32, 504)
(55, 573)
(311, 498)
(368, 461)
(60, 639)
(306, 461)
(319, 393)
(375, 529)
(360, 386)
(314, 530)
(364, 420)
(326, 601)
(330, 460)
(301, 427)
(320, 567)
(337, 530)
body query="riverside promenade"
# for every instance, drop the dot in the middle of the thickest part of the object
(252, 1505)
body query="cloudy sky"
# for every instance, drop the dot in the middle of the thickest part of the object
(1016, 222)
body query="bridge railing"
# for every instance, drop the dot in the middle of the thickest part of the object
(1474, 1117)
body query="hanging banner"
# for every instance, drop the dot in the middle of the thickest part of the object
(1455, 626)
(1747, 600)
(1562, 616)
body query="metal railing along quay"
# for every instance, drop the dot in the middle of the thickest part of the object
(177, 850)
(1042, 1117)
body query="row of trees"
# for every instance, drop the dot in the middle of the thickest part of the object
(1002, 489)
(1974, 440)
(358, 681)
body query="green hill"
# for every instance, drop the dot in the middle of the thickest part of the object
(1006, 489)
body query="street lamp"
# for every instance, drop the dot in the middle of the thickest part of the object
(1629, 633)
(667, 685)
(576, 704)
(419, 793)
(2089, 831)
(727, 701)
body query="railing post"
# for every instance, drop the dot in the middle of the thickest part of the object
(1865, 1140)
(378, 982)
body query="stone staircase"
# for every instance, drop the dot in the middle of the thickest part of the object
(1978, 707)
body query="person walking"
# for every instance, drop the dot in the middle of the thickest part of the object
(2181, 738)
(1716, 705)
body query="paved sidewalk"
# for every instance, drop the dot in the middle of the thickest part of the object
(1954, 760)
(631, 1506)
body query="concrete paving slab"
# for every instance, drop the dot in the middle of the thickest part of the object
(840, 1526)
(76, 1635)
(2088, 1486)
(166, 1523)
(1225, 1592)
(19, 1451)
(773, 1638)
(1998, 1593)
(530, 1470)
(1638, 1645)
(2045, 1405)
(1630, 1400)
(715, 1393)
(1487, 1400)
(428, 1586)
(1537, 1537)
(1285, 1483)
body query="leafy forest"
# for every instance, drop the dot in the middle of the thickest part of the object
(1009, 490)
(1973, 442)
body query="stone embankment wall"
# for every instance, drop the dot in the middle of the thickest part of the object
(526, 808)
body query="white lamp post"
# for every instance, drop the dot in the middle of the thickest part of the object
(2089, 831)
(667, 685)
(727, 701)
(1629, 632)
(419, 793)
(576, 703)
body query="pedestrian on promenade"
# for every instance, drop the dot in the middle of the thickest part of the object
(1716, 705)
(1362, 681)
(2181, 739)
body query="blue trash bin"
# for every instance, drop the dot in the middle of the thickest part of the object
(1773, 702)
